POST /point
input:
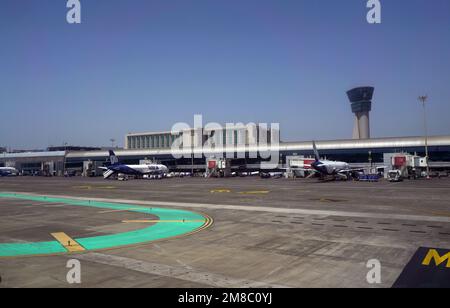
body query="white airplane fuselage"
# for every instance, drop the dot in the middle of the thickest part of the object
(116, 168)
(8, 171)
(148, 169)
(328, 167)
(153, 169)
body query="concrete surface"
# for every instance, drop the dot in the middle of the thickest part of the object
(266, 233)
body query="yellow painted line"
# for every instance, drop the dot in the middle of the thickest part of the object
(256, 192)
(220, 191)
(446, 214)
(158, 221)
(82, 187)
(69, 243)
(94, 187)
(115, 211)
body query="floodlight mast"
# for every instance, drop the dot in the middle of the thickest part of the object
(423, 99)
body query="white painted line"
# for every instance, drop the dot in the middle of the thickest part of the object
(262, 209)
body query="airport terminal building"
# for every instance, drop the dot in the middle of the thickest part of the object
(230, 135)
(355, 152)
(359, 153)
(245, 147)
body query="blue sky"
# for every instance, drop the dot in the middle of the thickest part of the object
(142, 65)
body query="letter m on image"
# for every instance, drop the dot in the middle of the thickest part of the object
(433, 255)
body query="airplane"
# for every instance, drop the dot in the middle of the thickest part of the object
(157, 170)
(8, 171)
(328, 168)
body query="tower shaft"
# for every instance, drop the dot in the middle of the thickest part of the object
(361, 129)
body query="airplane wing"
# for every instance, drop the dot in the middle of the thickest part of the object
(351, 170)
(295, 169)
(360, 169)
(356, 169)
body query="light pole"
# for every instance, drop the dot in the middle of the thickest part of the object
(112, 142)
(423, 100)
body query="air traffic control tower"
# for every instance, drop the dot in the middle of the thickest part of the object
(361, 101)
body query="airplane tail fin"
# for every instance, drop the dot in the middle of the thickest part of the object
(316, 153)
(113, 158)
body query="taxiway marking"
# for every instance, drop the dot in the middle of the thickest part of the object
(255, 192)
(220, 191)
(116, 211)
(64, 243)
(67, 242)
(158, 221)
(277, 210)
(89, 187)
(82, 187)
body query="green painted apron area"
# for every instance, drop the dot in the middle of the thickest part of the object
(157, 231)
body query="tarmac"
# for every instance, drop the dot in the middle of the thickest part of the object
(256, 232)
